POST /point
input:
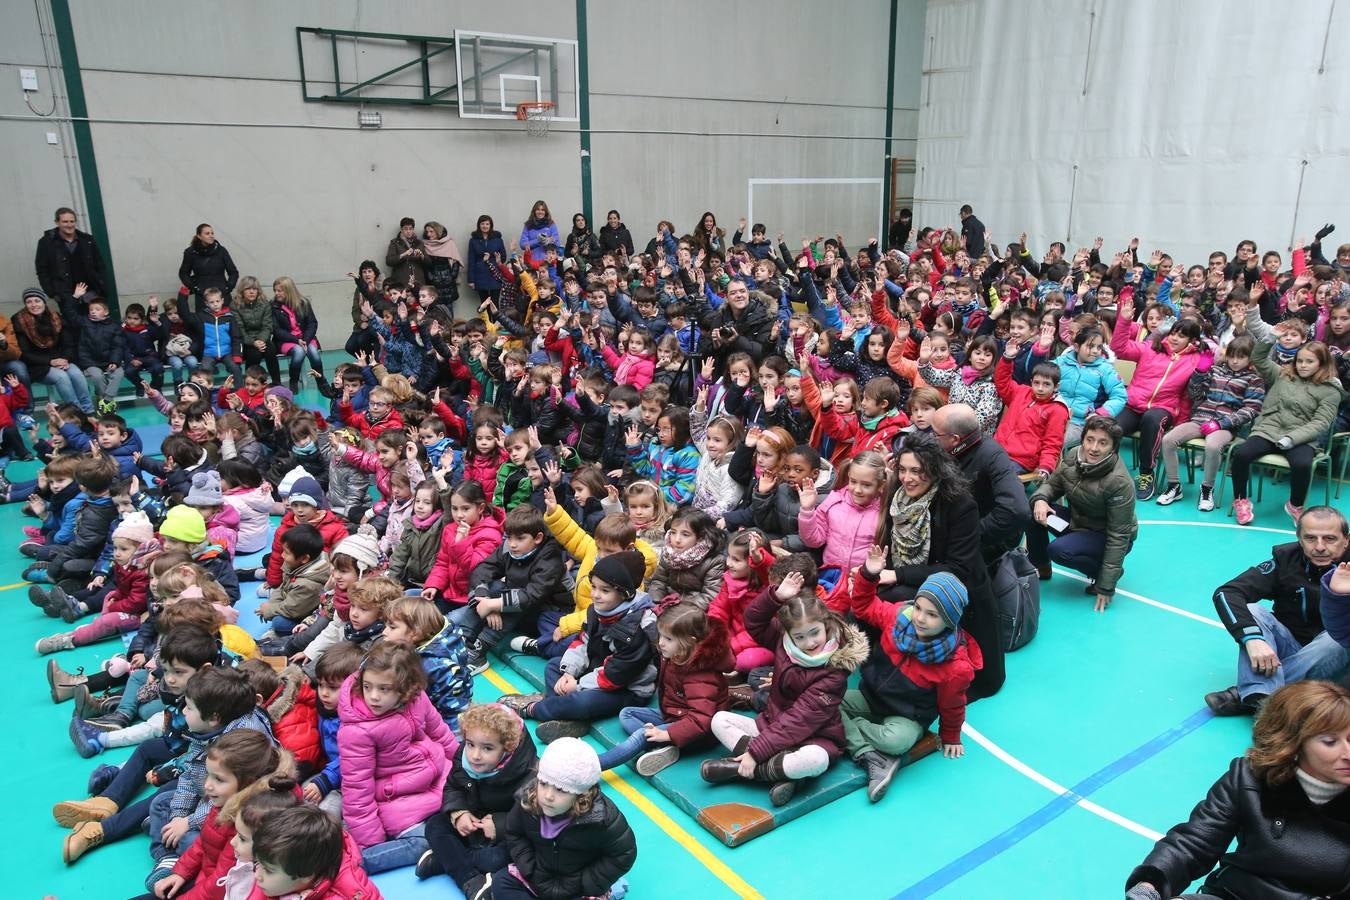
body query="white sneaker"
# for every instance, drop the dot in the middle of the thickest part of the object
(1206, 503)
(1170, 496)
(522, 644)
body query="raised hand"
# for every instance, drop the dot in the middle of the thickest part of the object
(790, 586)
(553, 472)
(632, 436)
(550, 499)
(806, 494)
(876, 559)
(1340, 579)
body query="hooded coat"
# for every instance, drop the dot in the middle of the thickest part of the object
(585, 860)
(393, 766)
(690, 693)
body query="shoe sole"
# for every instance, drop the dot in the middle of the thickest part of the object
(550, 731)
(52, 666)
(654, 761)
(874, 794)
(1164, 501)
(72, 813)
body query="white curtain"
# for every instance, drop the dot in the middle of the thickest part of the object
(1191, 125)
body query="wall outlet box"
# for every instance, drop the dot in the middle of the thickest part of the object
(28, 79)
(52, 138)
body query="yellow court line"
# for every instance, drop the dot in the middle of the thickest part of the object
(17, 584)
(672, 829)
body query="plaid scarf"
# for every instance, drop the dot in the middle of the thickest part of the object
(932, 651)
(685, 559)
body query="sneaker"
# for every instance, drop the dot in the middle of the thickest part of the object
(37, 572)
(520, 703)
(1229, 703)
(57, 599)
(880, 768)
(163, 869)
(653, 761)
(1206, 503)
(55, 643)
(550, 731)
(113, 721)
(428, 866)
(37, 596)
(71, 610)
(101, 778)
(1294, 512)
(30, 548)
(527, 645)
(1143, 488)
(25, 422)
(1171, 495)
(479, 887)
(140, 389)
(33, 532)
(478, 661)
(1242, 511)
(85, 738)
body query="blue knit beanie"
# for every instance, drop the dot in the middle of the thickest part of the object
(948, 595)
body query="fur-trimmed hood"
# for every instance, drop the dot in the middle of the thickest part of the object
(713, 653)
(852, 651)
(283, 700)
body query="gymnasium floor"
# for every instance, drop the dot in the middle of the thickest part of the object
(1100, 742)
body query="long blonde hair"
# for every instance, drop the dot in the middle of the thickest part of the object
(248, 281)
(291, 296)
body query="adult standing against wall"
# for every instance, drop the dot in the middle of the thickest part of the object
(539, 234)
(582, 243)
(614, 237)
(405, 254)
(998, 492)
(48, 349)
(898, 235)
(931, 524)
(1093, 480)
(66, 257)
(486, 249)
(206, 264)
(441, 263)
(1286, 641)
(972, 232)
(1286, 803)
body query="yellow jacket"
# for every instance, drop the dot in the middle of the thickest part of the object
(238, 641)
(581, 546)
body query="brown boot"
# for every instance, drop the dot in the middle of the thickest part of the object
(741, 696)
(84, 838)
(76, 812)
(720, 771)
(62, 682)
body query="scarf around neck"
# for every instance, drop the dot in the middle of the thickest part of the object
(911, 521)
(926, 650)
(685, 559)
(970, 374)
(873, 423)
(42, 331)
(807, 660)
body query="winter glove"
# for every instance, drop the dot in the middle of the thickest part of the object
(1323, 232)
(1285, 442)
(1209, 428)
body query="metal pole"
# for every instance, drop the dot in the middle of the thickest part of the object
(584, 112)
(886, 203)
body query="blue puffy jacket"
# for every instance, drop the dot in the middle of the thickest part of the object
(123, 455)
(532, 239)
(1087, 387)
(330, 778)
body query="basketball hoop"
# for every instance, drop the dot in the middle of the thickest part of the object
(536, 114)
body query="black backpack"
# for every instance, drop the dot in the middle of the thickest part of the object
(1017, 591)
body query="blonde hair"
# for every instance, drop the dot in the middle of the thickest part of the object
(291, 296)
(423, 619)
(374, 592)
(648, 489)
(495, 719)
(399, 388)
(179, 578)
(248, 281)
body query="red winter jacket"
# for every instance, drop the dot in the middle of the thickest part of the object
(731, 601)
(456, 559)
(948, 680)
(200, 861)
(131, 591)
(560, 342)
(331, 527)
(350, 883)
(15, 398)
(803, 705)
(454, 425)
(851, 431)
(295, 718)
(393, 421)
(484, 471)
(691, 693)
(1032, 431)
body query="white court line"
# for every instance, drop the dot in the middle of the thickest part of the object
(1150, 601)
(1217, 525)
(1055, 787)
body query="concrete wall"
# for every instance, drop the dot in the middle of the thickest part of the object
(312, 196)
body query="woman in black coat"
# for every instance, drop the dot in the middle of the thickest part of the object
(614, 236)
(930, 501)
(206, 263)
(1286, 803)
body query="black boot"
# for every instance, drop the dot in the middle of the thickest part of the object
(771, 770)
(720, 771)
(1230, 703)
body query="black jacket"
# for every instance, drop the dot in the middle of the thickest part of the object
(93, 524)
(59, 270)
(972, 229)
(1287, 848)
(1287, 578)
(208, 266)
(612, 239)
(525, 585)
(999, 495)
(101, 344)
(753, 327)
(592, 852)
(954, 547)
(495, 795)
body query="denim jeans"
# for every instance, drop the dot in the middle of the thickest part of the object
(1080, 550)
(463, 858)
(632, 718)
(583, 704)
(296, 354)
(1321, 658)
(70, 386)
(179, 364)
(283, 626)
(161, 811)
(131, 777)
(548, 623)
(403, 850)
(135, 681)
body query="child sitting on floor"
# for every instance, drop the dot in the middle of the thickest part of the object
(302, 852)
(413, 622)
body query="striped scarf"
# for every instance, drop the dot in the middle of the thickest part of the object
(931, 651)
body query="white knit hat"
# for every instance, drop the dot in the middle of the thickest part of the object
(569, 764)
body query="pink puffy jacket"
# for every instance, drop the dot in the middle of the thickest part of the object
(843, 528)
(630, 368)
(393, 766)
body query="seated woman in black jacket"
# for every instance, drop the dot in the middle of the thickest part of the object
(1286, 803)
(495, 760)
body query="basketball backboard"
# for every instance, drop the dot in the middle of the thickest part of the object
(497, 71)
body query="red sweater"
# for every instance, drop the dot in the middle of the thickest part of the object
(330, 525)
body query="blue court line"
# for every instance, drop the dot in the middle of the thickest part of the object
(1042, 817)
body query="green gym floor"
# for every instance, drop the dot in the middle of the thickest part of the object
(1099, 743)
